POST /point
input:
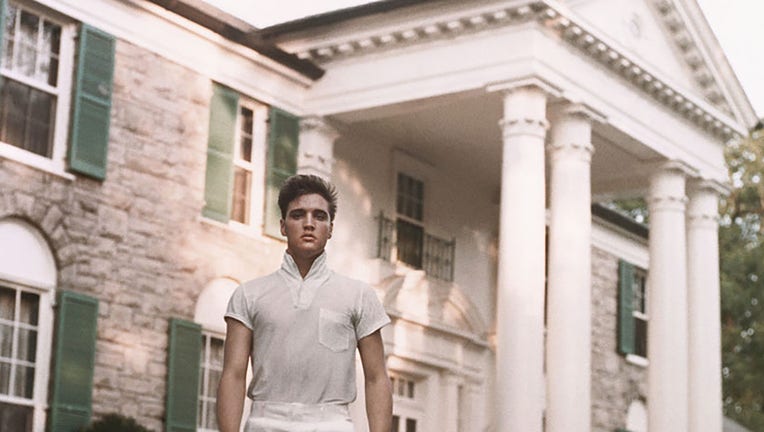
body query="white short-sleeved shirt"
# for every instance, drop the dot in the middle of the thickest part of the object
(305, 332)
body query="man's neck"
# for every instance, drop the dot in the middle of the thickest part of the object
(303, 263)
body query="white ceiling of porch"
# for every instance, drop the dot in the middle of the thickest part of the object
(461, 133)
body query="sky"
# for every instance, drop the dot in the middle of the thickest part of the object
(737, 24)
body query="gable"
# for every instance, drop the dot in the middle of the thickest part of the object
(656, 33)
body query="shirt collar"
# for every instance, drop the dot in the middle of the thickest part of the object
(303, 290)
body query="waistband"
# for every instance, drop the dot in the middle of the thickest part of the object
(299, 412)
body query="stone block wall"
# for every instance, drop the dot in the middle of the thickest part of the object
(616, 382)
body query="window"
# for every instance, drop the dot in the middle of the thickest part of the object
(250, 144)
(409, 223)
(639, 312)
(407, 407)
(19, 312)
(31, 86)
(632, 310)
(37, 53)
(251, 150)
(210, 371)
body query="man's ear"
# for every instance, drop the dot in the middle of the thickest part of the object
(283, 227)
(331, 228)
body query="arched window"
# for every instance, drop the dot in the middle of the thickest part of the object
(636, 417)
(28, 277)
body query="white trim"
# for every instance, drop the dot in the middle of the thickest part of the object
(41, 163)
(637, 360)
(620, 243)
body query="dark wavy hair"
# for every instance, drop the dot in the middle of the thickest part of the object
(305, 184)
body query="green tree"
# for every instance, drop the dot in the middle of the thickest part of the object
(741, 251)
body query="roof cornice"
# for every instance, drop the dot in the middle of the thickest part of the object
(569, 28)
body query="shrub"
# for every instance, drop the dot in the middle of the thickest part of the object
(114, 422)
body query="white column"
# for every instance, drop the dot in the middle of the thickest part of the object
(316, 152)
(450, 409)
(667, 301)
(568, 339)
(520, 296)
(705, 386)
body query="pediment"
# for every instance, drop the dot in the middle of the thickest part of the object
(659, 35)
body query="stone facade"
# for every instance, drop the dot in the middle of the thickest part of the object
(616, 382)
(137, 241)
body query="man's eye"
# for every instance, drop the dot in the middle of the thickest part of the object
(321, 216)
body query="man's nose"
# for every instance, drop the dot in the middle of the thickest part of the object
(309, 221)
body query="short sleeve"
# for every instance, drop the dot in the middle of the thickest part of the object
(371, 314)
(238, 308)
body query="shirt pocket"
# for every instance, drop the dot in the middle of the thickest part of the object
(333, 330)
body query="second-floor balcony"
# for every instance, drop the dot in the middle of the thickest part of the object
(399, 240)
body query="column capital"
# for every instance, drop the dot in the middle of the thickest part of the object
(571, 125)
(320, 125)
(703, 203)
(667, 185)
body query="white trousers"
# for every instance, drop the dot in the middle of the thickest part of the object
(295, 417)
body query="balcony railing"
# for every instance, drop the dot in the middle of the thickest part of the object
(420, 250)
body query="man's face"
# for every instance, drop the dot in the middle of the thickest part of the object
(307, 226)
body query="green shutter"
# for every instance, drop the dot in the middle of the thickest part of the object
(74, 361)
(92, 103)
(218, 189)
(183, 375)
(626, 330)
(283, 142)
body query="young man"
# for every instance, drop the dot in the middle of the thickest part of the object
(301, 326)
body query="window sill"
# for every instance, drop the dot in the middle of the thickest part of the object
(239, 228)
(637, 360)
(32, 160)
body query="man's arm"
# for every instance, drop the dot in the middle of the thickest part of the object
(379, 399)
(230, 403)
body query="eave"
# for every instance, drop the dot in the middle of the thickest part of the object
(554, 17)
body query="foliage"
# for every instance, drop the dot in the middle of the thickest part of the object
(115, 423)
(741, 251)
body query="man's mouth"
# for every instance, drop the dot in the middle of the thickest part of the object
(308, 237)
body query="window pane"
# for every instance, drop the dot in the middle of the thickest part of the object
(246, 148)
(200, 413)
(5, 378)
(410, 425)
(214, 381)
(26, 117)
(30, 305)
(212, 420)
(640, 337)
(49, 57)
(24, 384)
(216, 352)
(396, 423)
(241, 190)
(409, 240)
(411, 389)
(6, 340)
(15, 418)
(27, 348)
(7, 301)
(26, 44)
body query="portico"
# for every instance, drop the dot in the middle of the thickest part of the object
(543, 115)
